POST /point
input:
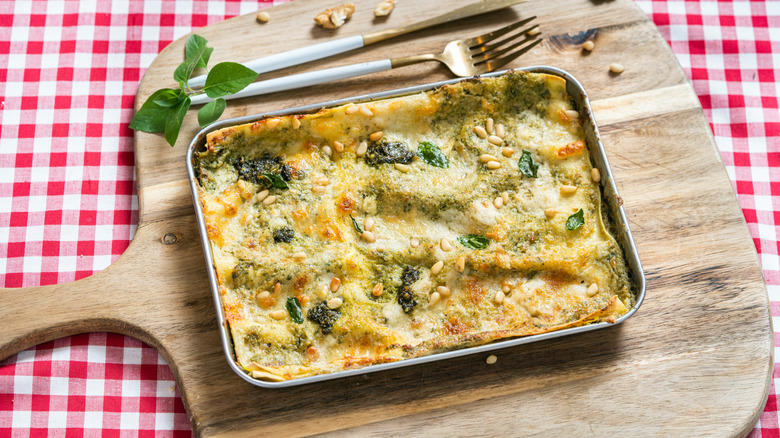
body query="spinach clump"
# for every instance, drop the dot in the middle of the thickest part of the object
(324, 316)
(406, 297)
(388, 152)
(266, 171)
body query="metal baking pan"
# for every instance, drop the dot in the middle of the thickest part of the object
(609, 196)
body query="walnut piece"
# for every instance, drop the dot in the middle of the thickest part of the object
(383, 9)
(335, 17)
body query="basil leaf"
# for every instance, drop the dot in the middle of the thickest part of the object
(193, 46)
(184, 70)
(355, 224)
(576, 220)
(228, 78)
(168, 97)
(151, 117)
(211, 112)
(174, 121)
(474, 241)
(431, 154)
(527, 165)
(276, 180)
(294, 309)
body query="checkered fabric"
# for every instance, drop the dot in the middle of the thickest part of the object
(68, 74)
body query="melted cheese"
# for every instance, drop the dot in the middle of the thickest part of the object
(534, 276)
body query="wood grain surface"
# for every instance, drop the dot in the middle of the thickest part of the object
(696, 360)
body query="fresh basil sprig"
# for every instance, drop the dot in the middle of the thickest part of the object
(165, 109)
(527, 165)
(474, 241)
(576, 220)
(294, 309)
(431, 154)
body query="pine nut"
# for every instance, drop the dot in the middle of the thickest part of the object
(335, 303)
(272, 123)
(487, 157)
(361, 149)
(299, 255)
(500, 130)
(568, 190)
(460, 264)
(445, 245)
(507, 152)
(335, 284)
(498, 202)
(496, 140)
(312, 351)
(352, 109)
(262, 195)
(595, 174)
(444, 291)
(376, 135)
(263, 17)
(480, 131)
(414, 243)
(550, 212)
(525, 135)
(489, 126)
(572, 114)
(269, 200)
(277, 288)
(326, 150)
(616, 68)
(434, 298)
(319, 189)
(241, 185)
(499, 298)
(369, 224)
(493, 165)
(377, 291)
(533, 32)
(588, 45)
(338, 146)
(403, 167)
(492, 358)
(323, 180)
(278, 314)
(296, 123)
(366, 111)
(262, 297)
(593, 289)
(505, 197)
(368, 236)
(436, 268)
(506, 288)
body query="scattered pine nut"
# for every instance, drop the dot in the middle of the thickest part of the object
(383, 9)
(595, 174)
(378, 288)
(572, 114)
(616, 68)
(567, 189)
(493, 165)
(533, 32)
(487, 158)
(272, 123)
(278, 314)
(263, 297)
(505, 197)
(480, 131)
(296, 123)
(550, 212)
(445, 245)
(368, 236)
(263, 17)
(352, 109)
(361, 149)
(489, 126)
(588, 45)
(335, 284)
(312, 351)
(460, 264)
(443, 291)
(434, 298)
(593, 289)
(369, 224)
(269, 200)
(319, 189)
(414, 243)
(262, 195)
(491, 359)
(499, 298)
(506, 288)
(507, 152)
(437, 267)
(500, 130)
(403, 167)
(335, 303)
(277, 288)
(376, 135)
(327, 151)
(299, 255)
(338, 146)
(496, 140)
(498, 202)
(366, 111)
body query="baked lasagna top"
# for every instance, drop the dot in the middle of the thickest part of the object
(380, 231)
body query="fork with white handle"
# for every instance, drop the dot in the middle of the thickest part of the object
(466, 57)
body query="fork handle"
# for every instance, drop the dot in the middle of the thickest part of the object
(304, 80)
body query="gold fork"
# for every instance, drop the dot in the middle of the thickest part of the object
(466, 57)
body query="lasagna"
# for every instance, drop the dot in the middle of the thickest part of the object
(386, 230)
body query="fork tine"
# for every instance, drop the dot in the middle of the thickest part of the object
(489, 47)
(482, 39)
(495, 63)
(494, 50)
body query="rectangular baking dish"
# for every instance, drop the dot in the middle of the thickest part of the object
(610, 198)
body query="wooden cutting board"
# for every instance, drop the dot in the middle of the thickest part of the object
(695, 360)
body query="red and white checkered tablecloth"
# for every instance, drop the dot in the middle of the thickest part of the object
(69, 71)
